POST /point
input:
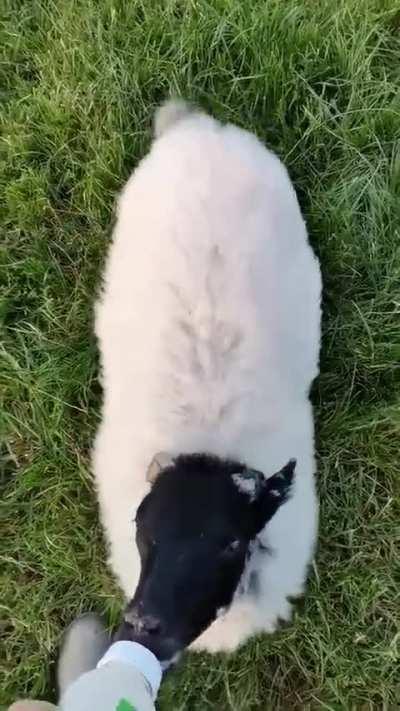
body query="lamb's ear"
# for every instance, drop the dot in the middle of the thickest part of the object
(160, 461)
(250, 482)
(275, 491)
(266, 495)
(279, 485)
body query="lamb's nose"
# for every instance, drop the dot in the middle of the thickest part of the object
(142, 623)
(151, 624)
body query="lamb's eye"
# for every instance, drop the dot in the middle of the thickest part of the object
(150, 541)
(145, 541)
(232, 547)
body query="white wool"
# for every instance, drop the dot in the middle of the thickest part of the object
(246, 486)
(209, 330)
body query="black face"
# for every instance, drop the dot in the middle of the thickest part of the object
(193, 534)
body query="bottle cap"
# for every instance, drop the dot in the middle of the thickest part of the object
(136, 655)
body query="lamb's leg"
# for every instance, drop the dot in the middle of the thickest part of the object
(119, 494)
(124, 559)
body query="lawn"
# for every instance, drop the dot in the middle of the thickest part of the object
(318, 81)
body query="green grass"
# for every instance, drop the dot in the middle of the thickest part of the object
(319, 82)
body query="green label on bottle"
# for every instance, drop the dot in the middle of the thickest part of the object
(125, 705)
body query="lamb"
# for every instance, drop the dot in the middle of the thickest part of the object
(209, 331)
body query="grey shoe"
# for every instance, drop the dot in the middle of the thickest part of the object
(84, 643)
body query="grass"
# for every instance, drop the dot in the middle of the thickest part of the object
(319, 82)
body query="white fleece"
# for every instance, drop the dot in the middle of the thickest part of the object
(209, 332)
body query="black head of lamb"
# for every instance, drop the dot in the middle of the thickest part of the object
(194, 531)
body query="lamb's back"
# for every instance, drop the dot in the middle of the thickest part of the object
(211, 303)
